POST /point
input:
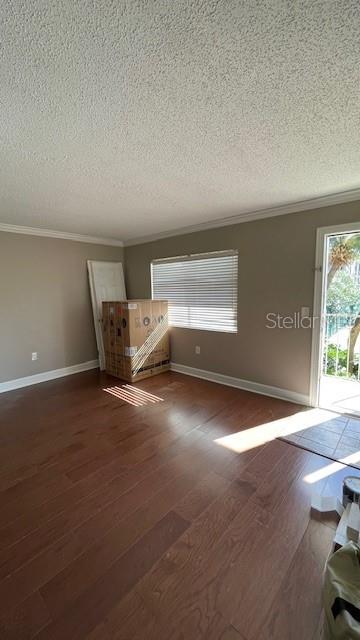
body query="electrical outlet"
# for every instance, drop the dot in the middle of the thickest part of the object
(34, 355)
(197, 350)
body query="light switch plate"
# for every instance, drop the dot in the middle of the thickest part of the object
(305, 312)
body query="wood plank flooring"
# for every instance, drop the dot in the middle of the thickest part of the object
(122, 517)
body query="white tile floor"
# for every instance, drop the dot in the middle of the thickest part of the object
(340, 394)
(337, 437)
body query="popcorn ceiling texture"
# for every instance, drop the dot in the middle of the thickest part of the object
(127, 118)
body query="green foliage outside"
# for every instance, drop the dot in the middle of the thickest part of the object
(330, 364)
(343, 297)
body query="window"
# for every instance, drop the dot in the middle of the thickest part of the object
(201, 290)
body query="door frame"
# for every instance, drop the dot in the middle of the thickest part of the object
(322, 234)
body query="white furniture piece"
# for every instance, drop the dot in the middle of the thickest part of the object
(349, 523)
(106, 284)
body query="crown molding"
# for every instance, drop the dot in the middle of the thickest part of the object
(250, 216)
(247, 216)
(62, 235)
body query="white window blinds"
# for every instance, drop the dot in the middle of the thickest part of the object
(201, 290)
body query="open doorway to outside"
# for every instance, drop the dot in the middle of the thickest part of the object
(336, 340)
(335, 375)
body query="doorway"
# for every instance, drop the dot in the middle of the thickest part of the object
(334, 429)
(335, 381)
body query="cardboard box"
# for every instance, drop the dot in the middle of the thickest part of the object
(136, 338)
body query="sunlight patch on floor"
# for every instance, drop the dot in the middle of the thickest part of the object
(133, 395)
(266, 432)
(330, 469)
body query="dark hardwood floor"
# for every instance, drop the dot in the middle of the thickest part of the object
(122, 517)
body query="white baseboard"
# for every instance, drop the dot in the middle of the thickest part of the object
(246, 385)
(18, 383)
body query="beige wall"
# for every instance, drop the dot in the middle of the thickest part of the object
(45, 303)
(276, 261)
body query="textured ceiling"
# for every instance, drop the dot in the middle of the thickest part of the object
(130, 118)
